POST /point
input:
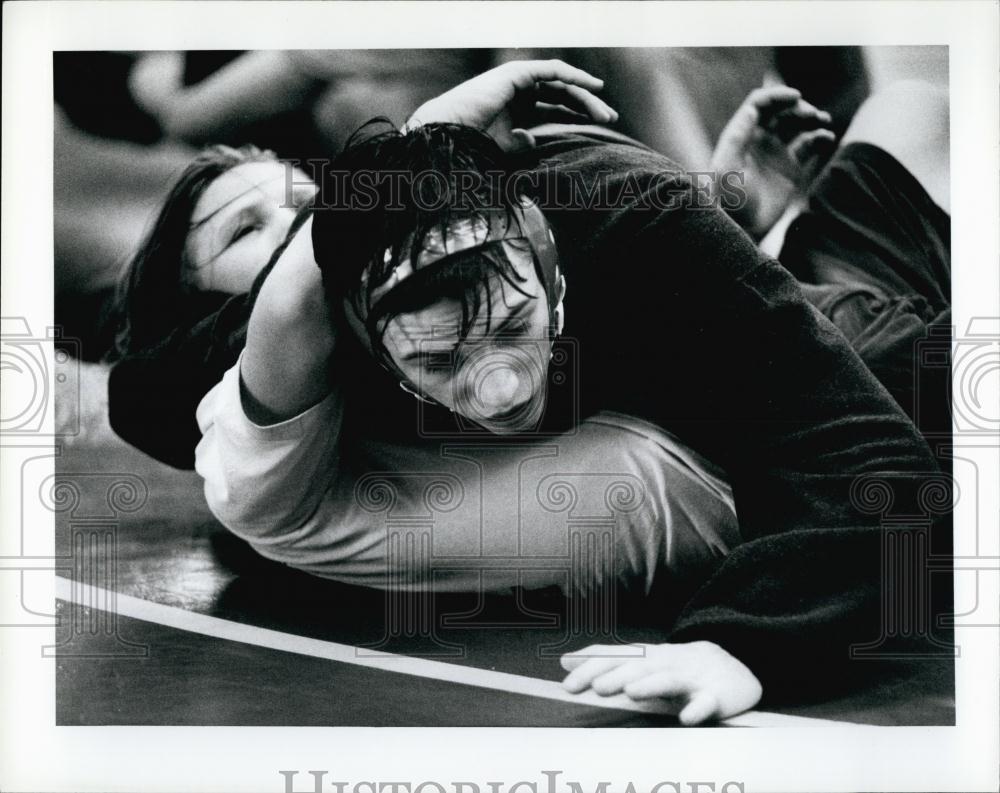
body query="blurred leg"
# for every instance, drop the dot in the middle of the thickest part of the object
(873, 248)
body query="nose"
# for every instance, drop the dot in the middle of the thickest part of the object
(498, 389)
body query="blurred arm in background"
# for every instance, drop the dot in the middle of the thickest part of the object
(333, 91)
(254, 86)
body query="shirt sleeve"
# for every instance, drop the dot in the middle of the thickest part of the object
(266, 483)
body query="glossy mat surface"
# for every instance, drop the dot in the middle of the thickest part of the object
(135, 527)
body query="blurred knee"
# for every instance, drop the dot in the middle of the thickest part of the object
(908, 113)
(909, 119)
(915, 102)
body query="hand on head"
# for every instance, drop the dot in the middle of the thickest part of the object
(507, 99)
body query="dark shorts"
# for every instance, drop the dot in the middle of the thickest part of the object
(873, 253)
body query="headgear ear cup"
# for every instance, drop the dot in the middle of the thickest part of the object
(535, 228)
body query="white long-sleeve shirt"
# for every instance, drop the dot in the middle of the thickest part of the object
(618, 500)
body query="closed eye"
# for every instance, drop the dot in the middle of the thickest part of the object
(242, 232)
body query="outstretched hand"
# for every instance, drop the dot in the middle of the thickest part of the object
(779, 142)
(517, 94)
(708, 682)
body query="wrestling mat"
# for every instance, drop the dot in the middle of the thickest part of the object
(167, 619)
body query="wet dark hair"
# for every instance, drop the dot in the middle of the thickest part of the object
(156, 289)
(364, 228)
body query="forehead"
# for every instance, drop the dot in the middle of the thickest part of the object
(443, 318)
(267, 177)
(438, 320)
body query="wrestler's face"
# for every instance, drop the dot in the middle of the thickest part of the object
(497, 375)
(238, 222)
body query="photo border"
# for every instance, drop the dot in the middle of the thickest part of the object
(36, 755)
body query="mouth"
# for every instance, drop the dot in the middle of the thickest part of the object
(508, 415)
(522, 418)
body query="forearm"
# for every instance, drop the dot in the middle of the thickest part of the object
(290, 339)
(254, 86)
(271, 428)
